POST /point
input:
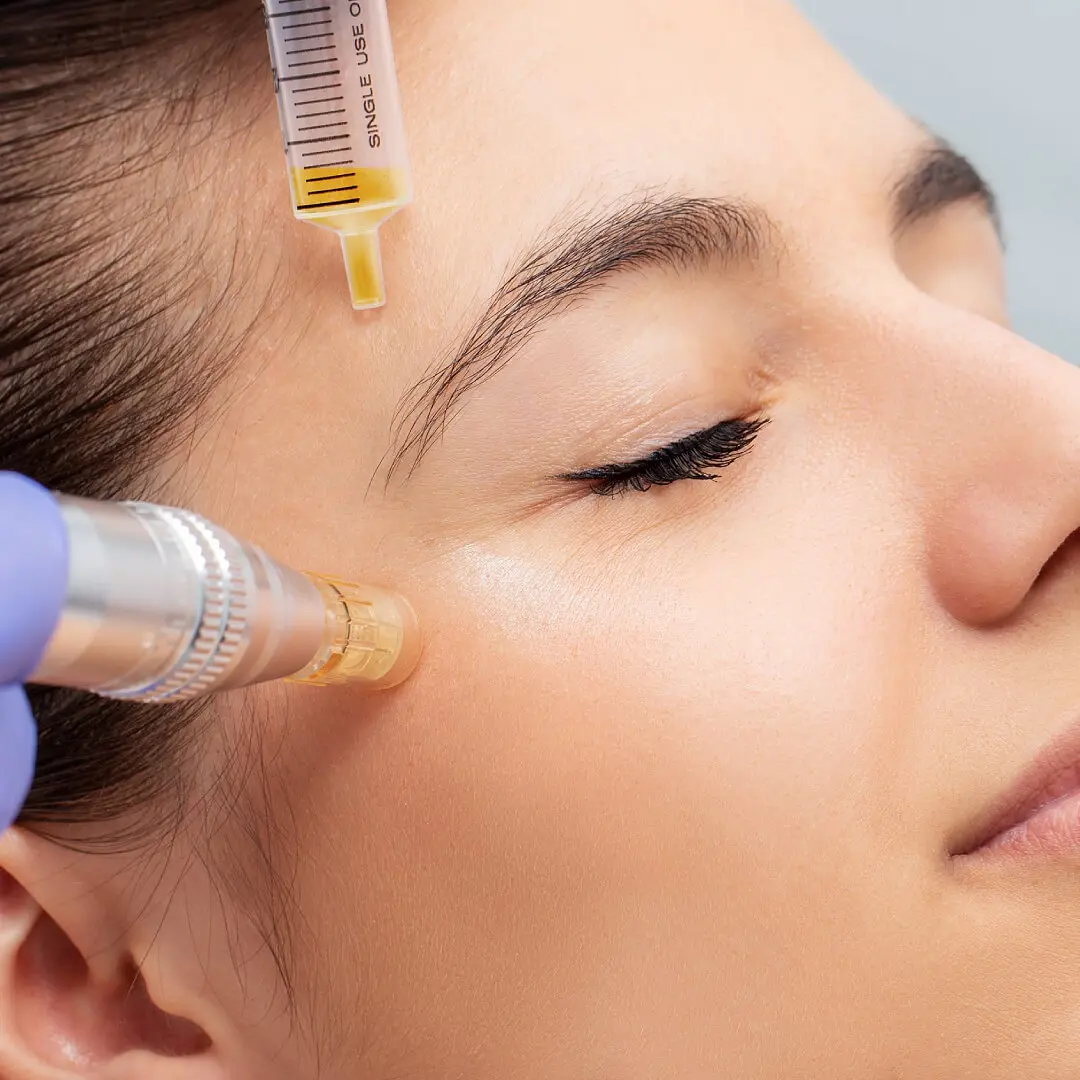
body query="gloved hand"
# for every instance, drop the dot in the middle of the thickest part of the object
(33, 584)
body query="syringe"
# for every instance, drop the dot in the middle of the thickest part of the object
(163, 605)
(341, 114)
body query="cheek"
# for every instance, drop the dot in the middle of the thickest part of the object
(721, 697)
(666, 746)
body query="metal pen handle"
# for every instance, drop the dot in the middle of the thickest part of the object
(163, 605)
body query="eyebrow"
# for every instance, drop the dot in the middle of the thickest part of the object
(647, 231)
(941, 177)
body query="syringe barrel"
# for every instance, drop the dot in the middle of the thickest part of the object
(163, 605)
(343, 126)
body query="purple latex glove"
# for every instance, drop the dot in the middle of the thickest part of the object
(33, 583)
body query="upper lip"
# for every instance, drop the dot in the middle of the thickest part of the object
(1054, 772)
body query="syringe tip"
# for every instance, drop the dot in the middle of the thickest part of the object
(363, 264)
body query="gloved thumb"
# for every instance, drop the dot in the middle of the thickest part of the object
(33, 574)
(18, 749)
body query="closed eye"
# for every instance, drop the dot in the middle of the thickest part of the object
(701, 456)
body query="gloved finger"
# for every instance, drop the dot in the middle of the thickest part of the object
(33, 574)
(18, 750)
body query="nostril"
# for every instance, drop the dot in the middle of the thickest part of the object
(1059, 561)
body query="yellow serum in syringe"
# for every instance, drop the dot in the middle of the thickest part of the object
(353, 203)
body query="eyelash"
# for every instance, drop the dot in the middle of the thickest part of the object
(689, 458)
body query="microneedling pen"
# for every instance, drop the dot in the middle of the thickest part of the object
(164, 606)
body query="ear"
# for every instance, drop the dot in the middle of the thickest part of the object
(73, 1003)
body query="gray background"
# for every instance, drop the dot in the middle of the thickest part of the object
(1000, 79)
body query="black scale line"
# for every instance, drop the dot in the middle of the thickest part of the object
(325, 206)
(336, 190)
(310, 75)
(293, 14)
(320, 139)
(314, 90)
(326, 179)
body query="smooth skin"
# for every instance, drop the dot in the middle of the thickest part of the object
(674, 790)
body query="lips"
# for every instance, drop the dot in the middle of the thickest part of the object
(1052, 776)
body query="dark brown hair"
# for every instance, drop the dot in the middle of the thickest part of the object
(118, 322)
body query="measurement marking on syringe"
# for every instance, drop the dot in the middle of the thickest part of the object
(310, 63)
(334, 150)
(307, 37)
(335, 190)
(327, 205)
(327, 179)
(328, 112)
(321, 127)
(312, 48)
(309, 25)
(307, 11)
(321, 139)
(327, 165)
(310, 75)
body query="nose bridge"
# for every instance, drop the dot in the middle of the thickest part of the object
(984, 430)
(1007, 400)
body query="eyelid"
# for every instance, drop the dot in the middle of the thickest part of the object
(661, 453)
(654, 430)
(694, 457)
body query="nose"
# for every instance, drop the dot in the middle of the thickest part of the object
(1003, 456)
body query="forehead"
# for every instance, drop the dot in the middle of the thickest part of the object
(516, 110)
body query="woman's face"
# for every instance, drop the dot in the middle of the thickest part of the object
(674, 790)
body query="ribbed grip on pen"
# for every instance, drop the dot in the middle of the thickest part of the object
(162, 605)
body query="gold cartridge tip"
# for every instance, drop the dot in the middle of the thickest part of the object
(372, 637)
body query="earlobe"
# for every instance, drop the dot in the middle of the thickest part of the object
(72, 1003)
